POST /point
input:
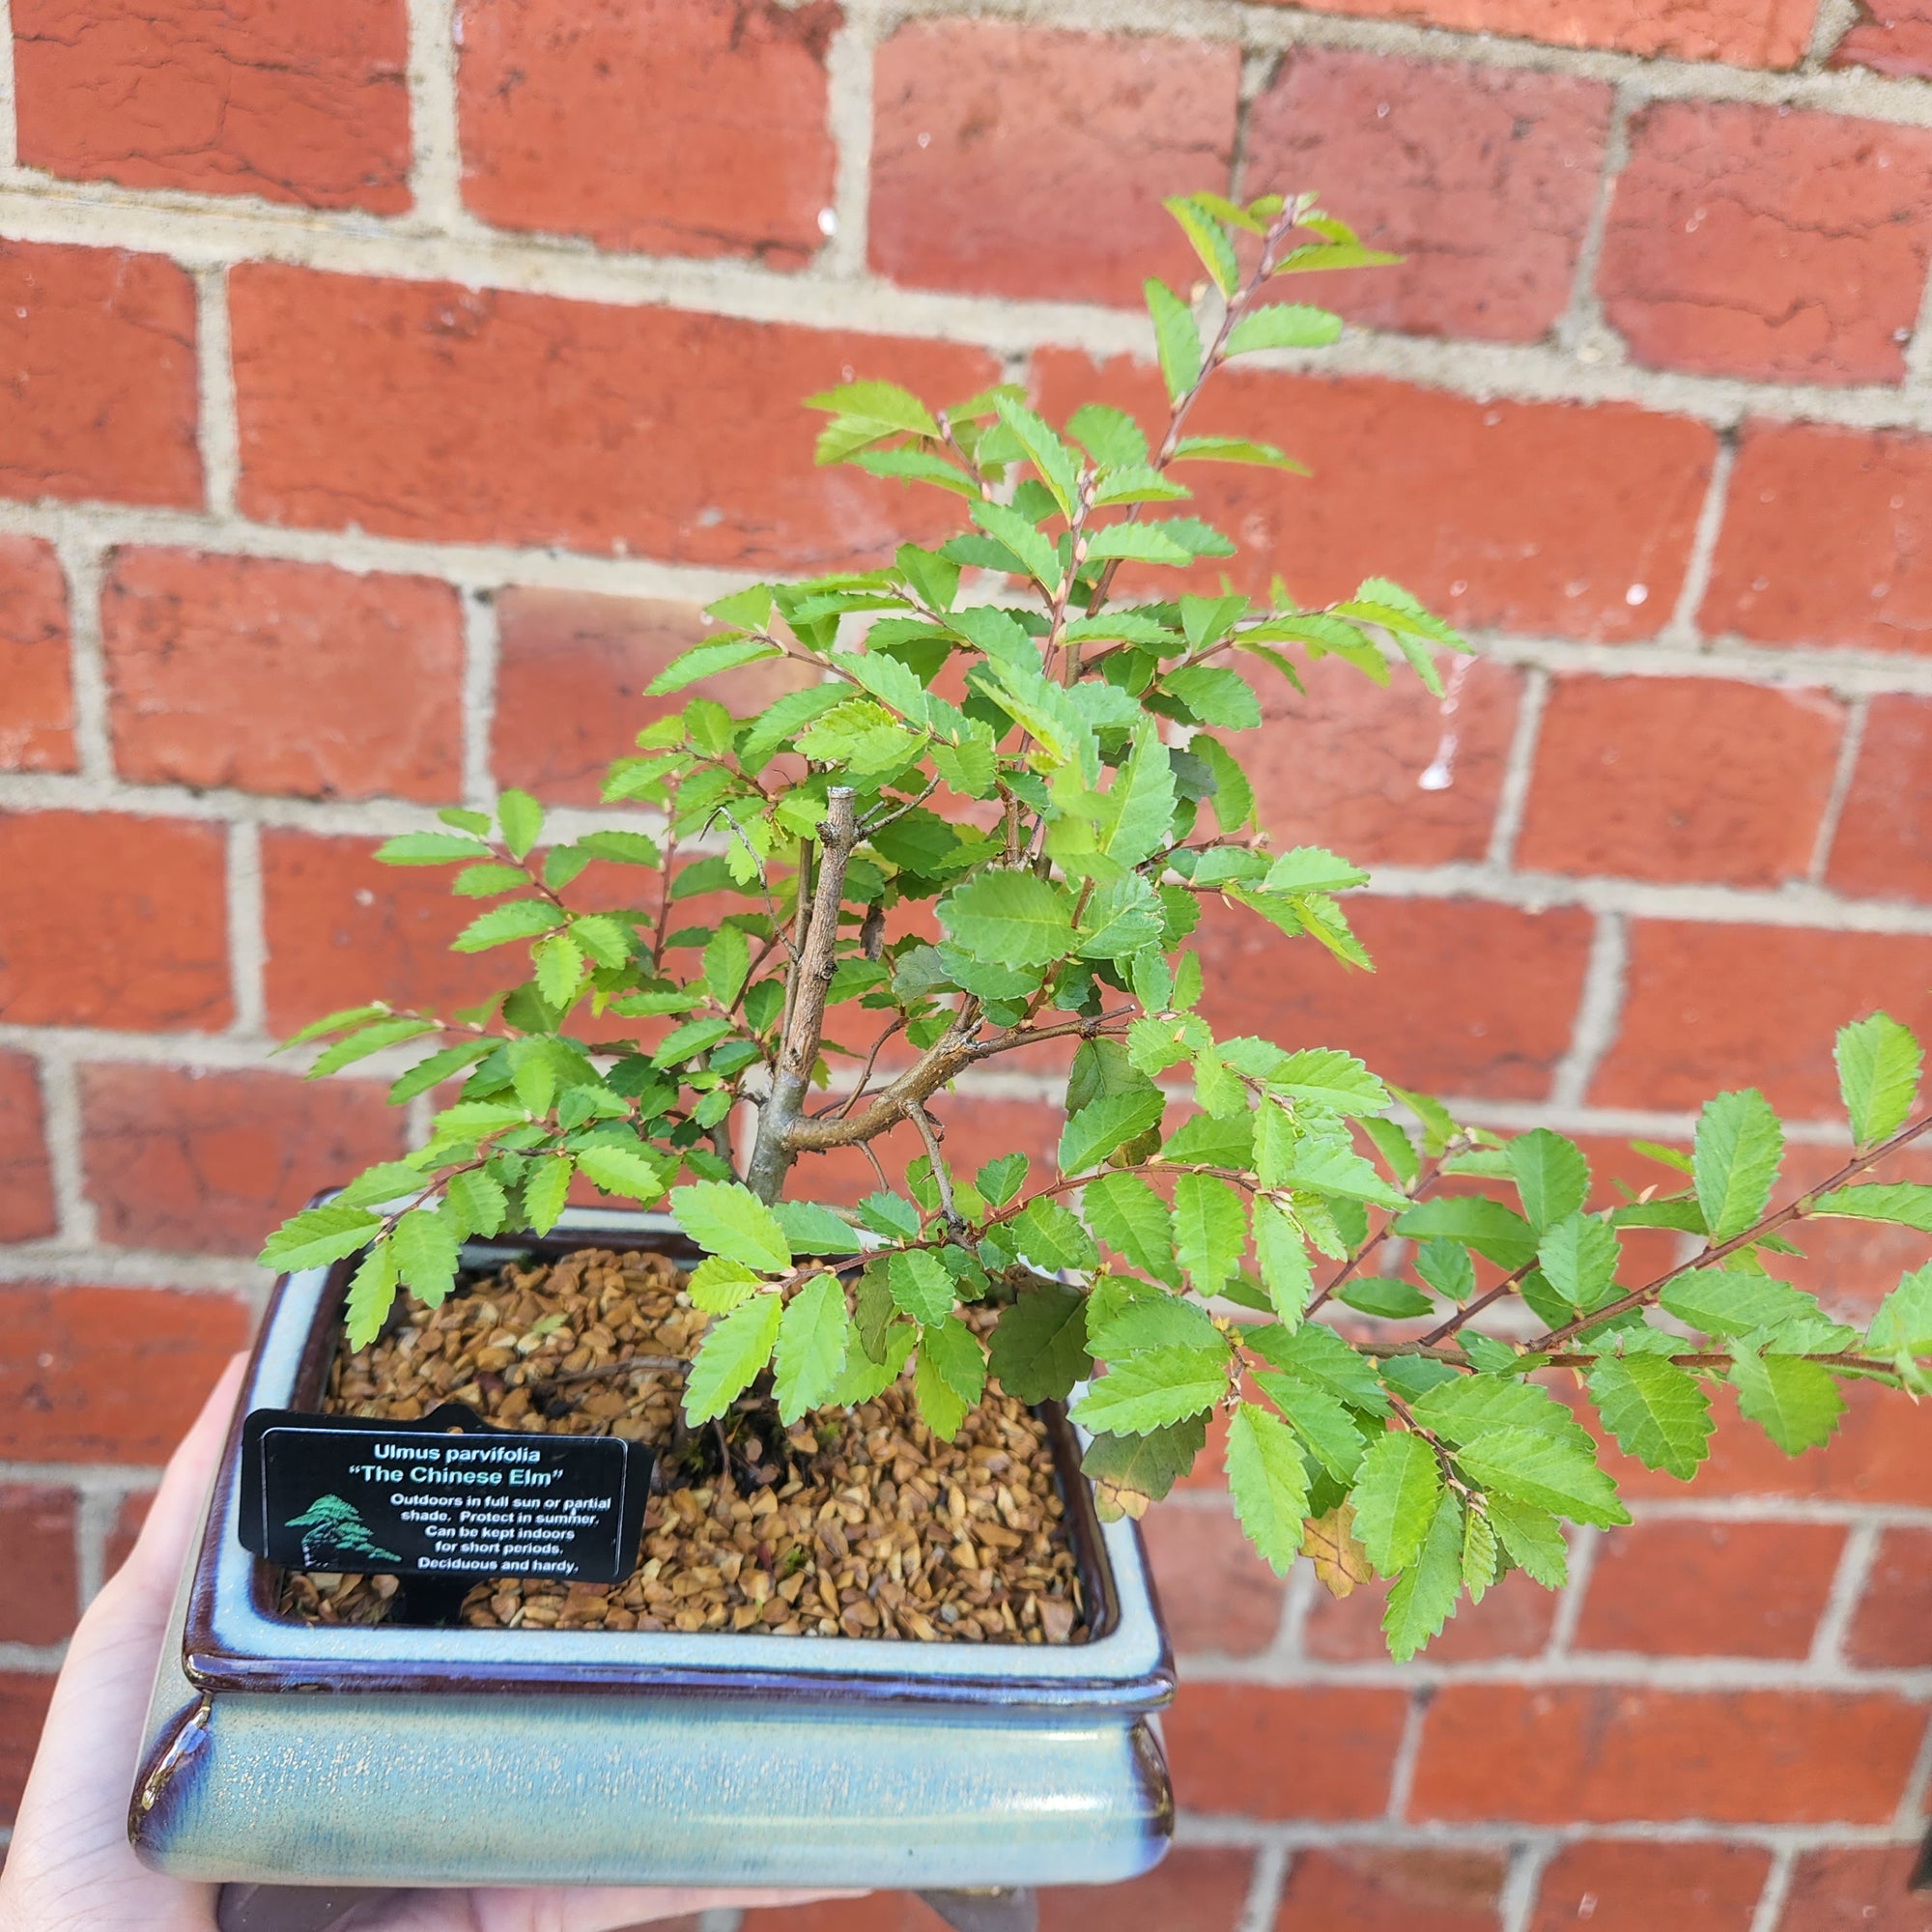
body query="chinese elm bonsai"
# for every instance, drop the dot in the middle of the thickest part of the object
(1022, 739)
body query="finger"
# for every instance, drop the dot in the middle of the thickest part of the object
(583, 1909)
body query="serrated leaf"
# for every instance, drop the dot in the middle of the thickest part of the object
(1154, 1389)
(1907, 1203)
(1090, 1135)
(372, 1291)
(956, 1356)
(1038, 1349)
(688, 1042)
(1317, 1354)
(921, 1285)
(1655, 1412)
(1719, 1302)
(716, 1286)
(1481, 1557)
(545, 1187)
(424, 1244)
(735, 1348)
(1340, 1563)
(521, 818)
(478, 1200)
(1579, 1257)
(1734, 1160)
(1001, 1177)
(814, 1332)
(1326, 1077)
(1533, 1538)
(437, 1069)
(1281, 1255)
(1127, 1214)
(726, 1218)
(431, 848)
(1535, 1466)
(364, 1042)
(1319, 1418)
(636, 1173)
(728, 958)
(1879, 1063)
(1394, 1498)
(1137, 817)
(1268, 1483)
(1424, 1596)
(1050, 1238)
(316, 1237)
(1472, 1221)
(1391, 1300)
(1176, 342)
(707, 659)
(1796, 1403)
(1209, 1230)
(1008, 919)
(517, 918)
(811, 1229)
(1129, 1471)
(1284, 326)
(1903, 1320)
(1552, 1176)
(1473, 1405)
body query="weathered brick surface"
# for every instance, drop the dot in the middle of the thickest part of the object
(40, 1581)
(1514, 1619)
(1618, 1886)
(1216, 1597)
(1311, 1752)
(1892, 37)
(733, 155)
(1750, 241)
(112, 920)
(36, 687)
(1882, 847)
(423, 409)
(236, 670)
(1481, 178)
(100, 392)
(294, 104)
(26, 1176)
(1012, 161)
(1377, 1890)
(1193, 1890)
(1855, 1890)
(1892, 1627)
(208, 1162)
(1622, 779)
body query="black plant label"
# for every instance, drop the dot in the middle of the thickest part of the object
(446, 1496)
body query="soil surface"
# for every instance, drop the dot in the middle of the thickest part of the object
(860, 1524)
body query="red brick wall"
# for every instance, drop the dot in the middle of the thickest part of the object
(334, 341)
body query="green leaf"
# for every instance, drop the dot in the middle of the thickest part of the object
(1282, 1257)
(372, 1291)
(1552, 1176)
(707, 659)
(1537, 1467)
(1001, 1177)
(1903, 1321)
(1877, 1074)
(1717, 1302)
(941, 1407)
(633, 1171)
(335, 1022)
(1127, 1467)
(1326, 1164)
(1655, 1412)
(1208, 239)
(1030, 549)
(1233, 449)
(1533, 1539)
(1392, 1301)
(1176, 339)
(883, 407)
(621, 848)
(1424, 1596)
(1209, 1230)
(429, 848)
(1474, 1405)
(1907, 1204)
(1126, 1213)
(1579, 1257)
(921, 1285)
(1135, 543)
(1284, 326)
(1008, 919)
(716, 1286)
(425, 1249)
(814, 1332)
(1735, 1159)
(437, 1069)
(521, 818)
(1324, 1077)
(364, 1042)
(1216, 695)
(518, 918)
(1319, 1419)
(1058, 467)
(728, 958)
(1319, 1356)
(1269, 1484)
(546, 1188)
(687, 1041)
(811, 1229)
(734, 1348)
(1090, 1135)
(559, 968)
(1138, 809)
(1153, 1388)
(1473, 1221)
(478, 1200)
(316, 1237)
(1395, 1497)
(1796, 1403)
(726, 1218)
(956, 1356)
(1040, 1348)
(1050, 1238)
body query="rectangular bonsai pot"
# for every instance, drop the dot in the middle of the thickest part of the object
(383, 1755)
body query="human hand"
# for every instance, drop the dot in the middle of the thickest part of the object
(69, 1868)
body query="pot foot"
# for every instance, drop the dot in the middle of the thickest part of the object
(995, 1911)
(290, 1908)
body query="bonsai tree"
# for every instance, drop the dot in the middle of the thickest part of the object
(331, 1529)
(985, 826)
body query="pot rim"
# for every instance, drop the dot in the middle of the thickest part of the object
(237, 1640)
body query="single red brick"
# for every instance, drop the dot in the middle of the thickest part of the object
(424, 409)
(208, 1162)
(571, 671)
(26, 1179)
(1711, 1589)
(1218, 1595)
(1549, 517)
(342, 928)
(1710, 1006)
(264, 675)
(1381, 1888)
(1514, 1619)
(1466, 998)
(1822, 536)
(1741, 33)
(735, 156)
(1387, 776)
(1592, 1753)
(23, 1709)
(1679, 779)
(1883, 845)
(98, 393)
(1481, 178)
(1749, 240)
(112, 920)
(1015, 162)
(108, 1374)
(1889, 36)
(1864, 1889)
(36, 694)
(40, 1589)
(1892, 1628)
(1315, 1752)
(306, 104)
(1192, 1890)
(130, 1513)
(1625, 1885)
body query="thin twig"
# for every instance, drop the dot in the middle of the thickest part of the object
(941, 1180)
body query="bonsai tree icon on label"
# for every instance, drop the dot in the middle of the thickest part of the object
(334, 1530)
(986, 831)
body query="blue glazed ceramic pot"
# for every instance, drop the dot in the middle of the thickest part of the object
(282, 1751)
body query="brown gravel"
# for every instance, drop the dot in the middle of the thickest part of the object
(858, 1524)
